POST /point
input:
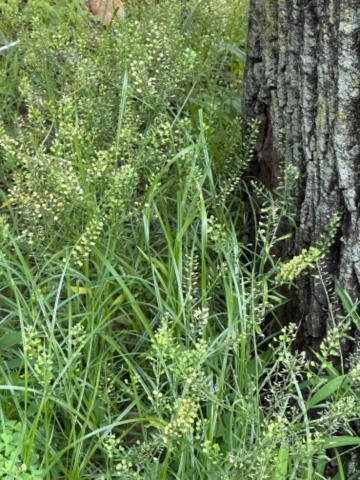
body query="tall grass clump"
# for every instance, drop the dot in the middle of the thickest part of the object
(141, 334)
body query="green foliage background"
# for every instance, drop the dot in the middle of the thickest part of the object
(139, 294)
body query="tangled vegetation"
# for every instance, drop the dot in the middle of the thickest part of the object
(140, 331)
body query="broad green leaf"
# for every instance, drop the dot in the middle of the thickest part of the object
(320, 466)
(10, 339)
(282, 463)
(326, 391)
(259, 362)
(341, 441)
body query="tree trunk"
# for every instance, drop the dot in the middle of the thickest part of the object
(302, 81)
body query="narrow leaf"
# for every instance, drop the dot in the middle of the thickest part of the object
(342, 441)
(348, 304)
(9, 45)
(235, 50)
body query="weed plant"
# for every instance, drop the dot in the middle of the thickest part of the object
(139, 331)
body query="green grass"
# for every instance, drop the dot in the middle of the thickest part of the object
(141, 333)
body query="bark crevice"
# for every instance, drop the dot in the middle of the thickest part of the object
(302, 82)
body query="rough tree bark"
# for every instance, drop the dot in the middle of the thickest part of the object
(302, 81)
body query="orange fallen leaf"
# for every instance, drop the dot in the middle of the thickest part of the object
(81, 290)
(106, 10)
(7, 203)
